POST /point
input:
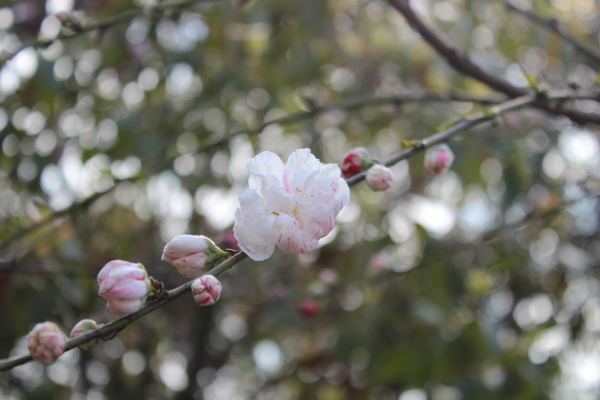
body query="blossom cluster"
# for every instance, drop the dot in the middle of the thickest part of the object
(290, 206)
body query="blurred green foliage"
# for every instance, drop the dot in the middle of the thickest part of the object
(481, 283)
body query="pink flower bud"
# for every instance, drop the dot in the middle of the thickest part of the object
(46, 342)
(125, 285)
(377, 264)
(81, 328)
(206, 290)
(379, 178)
(308, 308)
(438, 159)
(355, 161)
(190, 254)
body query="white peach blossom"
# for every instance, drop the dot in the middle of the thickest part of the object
(46, 342)
(190, 254)
(379, 177)
(438, 159)
(124, 285)
(206, 290)
(290, 205)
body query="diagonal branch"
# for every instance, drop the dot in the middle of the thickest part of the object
(109, 330)
(114, 327)
(553, 25)
(102, 24)
(53, 217)
(474, 120)
(462, 63)
(352, 104)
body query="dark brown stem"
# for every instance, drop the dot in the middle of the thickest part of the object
(462, 63)
(555, 26)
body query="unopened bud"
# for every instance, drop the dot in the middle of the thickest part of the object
(355, 161)
(438, 159)
(81, 328)
(379, 178)
(308, 308)
(191, 254)
(124, 285)
(206, 290)
(46, 342)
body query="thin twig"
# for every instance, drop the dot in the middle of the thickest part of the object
(102, 24)
(116, 326)
(54, 216)
(362, 102)
(469, 122)
(461, 126)
(462, 63)
(350, 105)
(553, 25)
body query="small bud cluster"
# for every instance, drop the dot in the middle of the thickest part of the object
(379, 177)
(126, 286)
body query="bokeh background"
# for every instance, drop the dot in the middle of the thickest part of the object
(481, 283)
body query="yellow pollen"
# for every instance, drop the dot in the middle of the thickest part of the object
(298, 190)
(275, 213)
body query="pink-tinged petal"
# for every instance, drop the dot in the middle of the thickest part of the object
(110, 266)
(204, 299)
(197, 261)
(123, 306)
(293, 212)
(184, 245)
(266, 169)
(130, 289)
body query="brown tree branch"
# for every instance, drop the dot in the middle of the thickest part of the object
(439, 137)
(462, 63)
(350, 105)
(553, 25)
(472, 121)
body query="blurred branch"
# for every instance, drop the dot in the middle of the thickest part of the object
(350, 105)
(370, 102)
(552, 24)
(54, 216)
(469, 122)
(353, 104)
(494, 234)
(102, 24)
(462, 63)
(111, 329)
